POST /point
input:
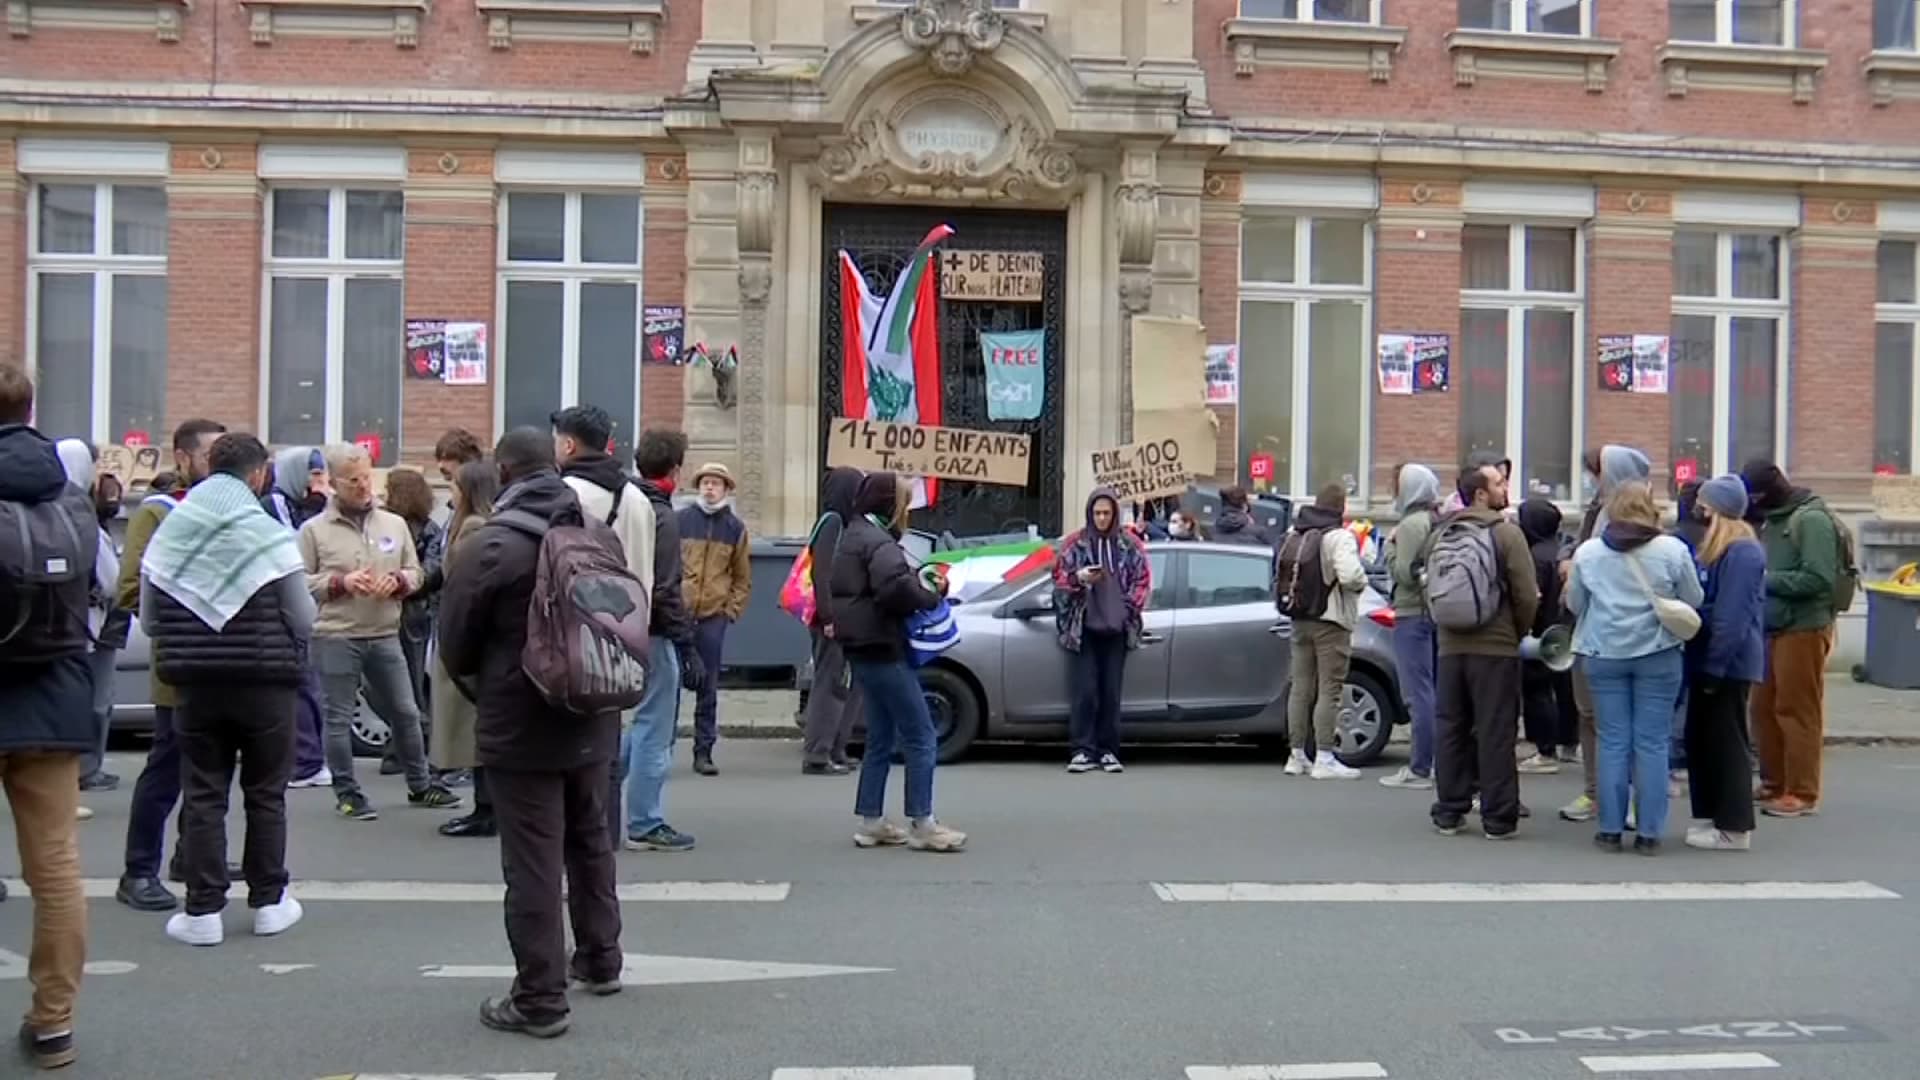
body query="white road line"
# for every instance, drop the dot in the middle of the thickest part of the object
(1652, 1063)
(1321, 1070)
(643, 970)
(1466, 892)
(446, 1076)
(466, 892)
(899, 1072)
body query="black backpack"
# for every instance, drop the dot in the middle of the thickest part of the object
(47, 552)
(1300, 588)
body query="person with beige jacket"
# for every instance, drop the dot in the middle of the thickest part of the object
(1322, 640)
(361, 565)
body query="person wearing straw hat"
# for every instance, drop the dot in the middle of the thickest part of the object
(717, 575)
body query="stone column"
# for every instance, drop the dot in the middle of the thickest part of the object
(13, 255)
(757, 436)
(1416, 271)
(1629, 291)
(213, 289)
(450, 259)
(713, 306)
(1136, 216)
(1830, 366)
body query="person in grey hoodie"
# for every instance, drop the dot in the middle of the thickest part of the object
(1415, 652)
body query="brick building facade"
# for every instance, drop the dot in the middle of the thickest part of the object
(232, 208)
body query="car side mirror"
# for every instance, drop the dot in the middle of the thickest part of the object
(1033, 605)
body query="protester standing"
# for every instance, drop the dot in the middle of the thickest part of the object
(1546, 695)
(1723, 663)
(1482, 596)
(1804, 562)
(1634, 660)
(1236, 524)
(581, 435)
(1415, 498)
(1101, 583)
(1318, 580)
(46, 706)
(456, 447)
(1183, 527)
(546, 768)
(716, 558)
(835, 700)
(476, 485)
(361, 566)
(646, 749)
(106, 622)
(224, 600)
(409, 496)
(158, 787)
(299, 486)
(874, 590)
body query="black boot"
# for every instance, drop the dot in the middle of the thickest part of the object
(145, 894)
(478, 823)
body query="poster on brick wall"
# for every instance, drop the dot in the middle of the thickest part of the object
(466, 354)
(664, 331)
(426, 348)
(1415, 363)
(1634, 363)
(1223, 374)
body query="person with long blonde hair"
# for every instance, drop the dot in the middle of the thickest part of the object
(1724, 662)
(475, 485)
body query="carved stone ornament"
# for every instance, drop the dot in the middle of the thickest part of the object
(953, 32)
(949, 142)
(756, 282)
(1136, 212)
(1136, 291)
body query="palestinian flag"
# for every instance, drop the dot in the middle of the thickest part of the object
(890, 364)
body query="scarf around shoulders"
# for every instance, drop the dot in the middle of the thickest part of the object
(217, 548)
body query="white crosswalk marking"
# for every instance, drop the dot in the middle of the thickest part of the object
(1317, 1070)
(1652, 1063)
(1467, 892)
(470, 892)
(900, 1072)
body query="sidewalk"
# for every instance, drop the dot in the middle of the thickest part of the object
(1857, 714)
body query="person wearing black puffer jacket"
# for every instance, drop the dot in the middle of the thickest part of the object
(835, 700)
(874, 590)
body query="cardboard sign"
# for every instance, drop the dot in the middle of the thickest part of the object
(1164, 458)
(117, 462)
(1016, 276)
(987, 457)
(1897, 498)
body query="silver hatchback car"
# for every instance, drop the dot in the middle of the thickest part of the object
(1213, 663)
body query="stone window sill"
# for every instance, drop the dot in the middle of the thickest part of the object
(1492, 52)
(636, 22)
(267, 19)
(1318, 44)
(1740, 67)
(1893, 73)
(163, 17)
(874, 12)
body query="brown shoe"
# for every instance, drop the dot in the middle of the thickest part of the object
(1789, 806)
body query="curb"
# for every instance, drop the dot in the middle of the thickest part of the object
(789, 733)
(1867, 738)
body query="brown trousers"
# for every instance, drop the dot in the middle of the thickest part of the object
(1789, 713)
(44, 792)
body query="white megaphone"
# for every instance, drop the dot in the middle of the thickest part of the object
(1553, 648)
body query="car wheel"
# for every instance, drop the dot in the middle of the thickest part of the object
(1366, 720)
(955, 709)
(370, 733)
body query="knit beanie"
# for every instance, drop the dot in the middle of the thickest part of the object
(1725, 495)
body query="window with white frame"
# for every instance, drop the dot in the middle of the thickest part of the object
(1520, 328)
(1896, 360)
(1305, 291)
(1573, 17)
(97, 307)
(334, 327)
(1330, 11)
(1732, 22)
(570, 307)
(1894, 23)
(1728, 350)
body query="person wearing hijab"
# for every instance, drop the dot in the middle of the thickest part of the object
(1101, 582)
(1634, 663)
(1415, 646)
(1724, 662)
(834, 700)
(107, 625)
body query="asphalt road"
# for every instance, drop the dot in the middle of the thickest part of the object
(1050, 950)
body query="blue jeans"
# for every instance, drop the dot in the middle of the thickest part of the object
(896, 715)
(1414, 650)
(646, 747)
(102, 662)
(1633, 702)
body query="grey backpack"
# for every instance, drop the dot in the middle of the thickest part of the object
(1464, 583)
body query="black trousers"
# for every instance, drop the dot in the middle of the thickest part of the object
(1719, 759)
(219, 728)
(1547, 704)
(1098, 669)
(1476, 725)
(555, 823)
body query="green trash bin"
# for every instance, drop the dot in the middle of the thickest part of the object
(1893, 632)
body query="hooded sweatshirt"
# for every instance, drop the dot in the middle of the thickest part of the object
(1419, 493)
(1106, 608)
(1540, 521)
(76, 458)
(1340, 564)
(606, 494)
(1616, 617)
(292, 499)
(836, 509)
(1082, 607)
(1803, 558)
(1619, 465)
(46, 695)
(1236, 526)
(874, 585)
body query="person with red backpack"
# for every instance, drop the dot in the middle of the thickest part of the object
(546, 764)
(1318, 578)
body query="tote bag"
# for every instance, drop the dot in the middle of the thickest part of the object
(1677, 616)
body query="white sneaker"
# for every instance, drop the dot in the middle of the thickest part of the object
(1632, 819)
(323, 778)
(1297, 764)
(1080, 763)
(879, 834)
(83, 813)
(1407, 778)
(1711, 839)
(277, 917)
(930, 835)
(197, 929)
(1109, 763)
(1538, 765)
(1328, 767)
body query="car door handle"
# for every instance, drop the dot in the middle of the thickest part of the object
(1280, 629)
(1150, 638)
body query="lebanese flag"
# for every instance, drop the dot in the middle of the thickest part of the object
(890, 364)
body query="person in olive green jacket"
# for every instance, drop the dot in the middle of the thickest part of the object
(1802, 540)
(158, 789)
